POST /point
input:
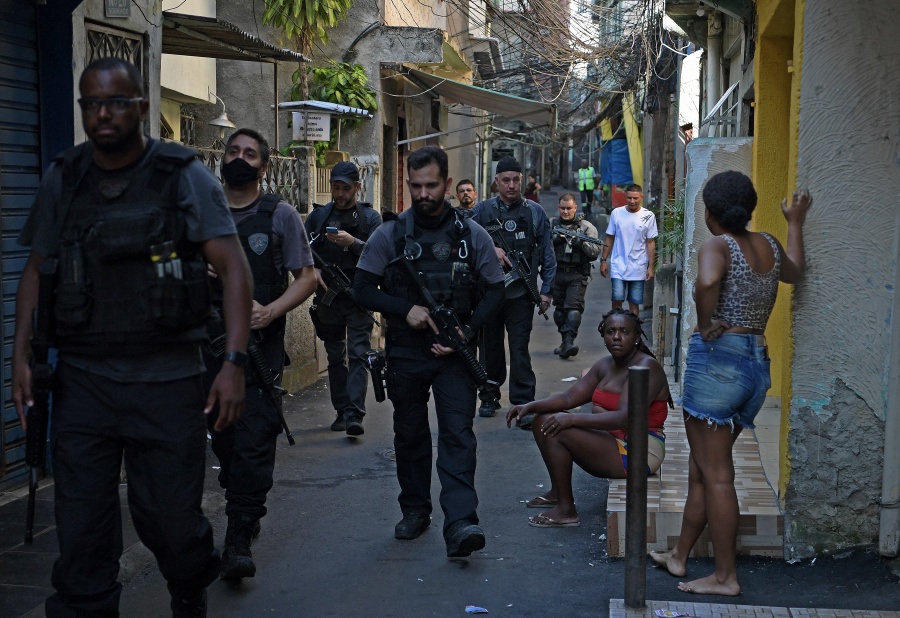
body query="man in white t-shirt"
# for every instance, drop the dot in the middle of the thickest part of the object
(631, 239)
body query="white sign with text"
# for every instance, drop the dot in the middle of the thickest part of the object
(319, 129)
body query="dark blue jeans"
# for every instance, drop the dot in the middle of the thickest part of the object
(409, 382)
(160, 429)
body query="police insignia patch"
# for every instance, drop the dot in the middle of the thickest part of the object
(441, 251)
(258, 242)
(509, 225)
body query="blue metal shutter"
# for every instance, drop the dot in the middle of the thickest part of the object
(20, 171)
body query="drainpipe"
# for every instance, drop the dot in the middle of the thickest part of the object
(889, 529)
(713, 60)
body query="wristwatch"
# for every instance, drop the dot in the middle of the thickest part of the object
(603, 259)
(238, 358)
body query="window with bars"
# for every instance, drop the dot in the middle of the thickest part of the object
(106, 42)
(188, 128)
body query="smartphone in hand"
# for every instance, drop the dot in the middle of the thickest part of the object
(331, 230)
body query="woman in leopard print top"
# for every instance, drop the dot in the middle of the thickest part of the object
(727, 367)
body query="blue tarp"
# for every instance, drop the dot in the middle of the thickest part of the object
(615, 164)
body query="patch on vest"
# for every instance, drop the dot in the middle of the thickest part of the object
(509, 225)
(111, 188)
(258, 242)
(441, 251)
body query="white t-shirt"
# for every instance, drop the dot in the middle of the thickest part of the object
(629, 260)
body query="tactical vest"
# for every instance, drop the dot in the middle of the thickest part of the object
(447, 264)
(517, 229)
(269, 282)
(334, 254)
(117, 292)
(575, 257)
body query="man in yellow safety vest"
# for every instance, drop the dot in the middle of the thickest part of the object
(586, 179)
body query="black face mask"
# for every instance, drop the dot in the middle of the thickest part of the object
(238, 173)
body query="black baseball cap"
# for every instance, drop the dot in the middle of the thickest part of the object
(345, 171)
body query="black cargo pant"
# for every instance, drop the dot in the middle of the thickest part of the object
(160, 429)
(514, 319)
(246, 454)
(246, 449)
(347, 338)
(409, 382)
(569, 286)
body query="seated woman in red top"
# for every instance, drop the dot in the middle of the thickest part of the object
(597, 442)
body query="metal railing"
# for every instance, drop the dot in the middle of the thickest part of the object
(282, 175)
(722, 119)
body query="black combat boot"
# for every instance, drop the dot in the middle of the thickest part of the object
(194, 606)
(570, 331)
(568, 347)
(236, 559)
(559, 318)
(558, 349)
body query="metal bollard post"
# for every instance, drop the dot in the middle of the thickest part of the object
(636, 489)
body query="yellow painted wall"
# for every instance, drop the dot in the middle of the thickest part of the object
(633, 136)
(777, 75)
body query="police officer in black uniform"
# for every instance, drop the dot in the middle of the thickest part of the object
(467, 196)
(340, 323)
(130, 224)
(573, 270)
(525, 228)
(454, 257)
(275, 244)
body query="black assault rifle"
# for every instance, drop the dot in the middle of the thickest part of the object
(265, 377)
(41, 385)
(340, 283)
(519, 269)
(449, 327)
(577, 235)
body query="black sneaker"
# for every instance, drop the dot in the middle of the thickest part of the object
(411, 526)
(463, 538)
(354, 425)
(189, 608)
(339, 423)
(488, 409)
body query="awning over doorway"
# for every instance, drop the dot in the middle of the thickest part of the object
(210, 37)
(335, 109)
(506, 105)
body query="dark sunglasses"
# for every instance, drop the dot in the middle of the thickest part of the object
(92, 105)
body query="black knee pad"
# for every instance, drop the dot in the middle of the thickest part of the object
(559, 317)
(574, 318)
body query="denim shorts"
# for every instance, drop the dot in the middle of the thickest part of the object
(725, 381)
(632, 291)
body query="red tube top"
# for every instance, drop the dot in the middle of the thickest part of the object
(659, 410)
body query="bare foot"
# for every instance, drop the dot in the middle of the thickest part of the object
(542, 502)
(710, 585)
(666, 560)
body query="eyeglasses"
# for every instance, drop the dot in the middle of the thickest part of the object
(115, 105)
